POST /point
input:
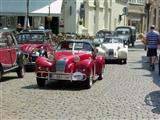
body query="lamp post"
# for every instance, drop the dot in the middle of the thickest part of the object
(27, 15)
(49, 18)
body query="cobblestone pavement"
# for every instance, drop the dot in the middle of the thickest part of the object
(128, 92)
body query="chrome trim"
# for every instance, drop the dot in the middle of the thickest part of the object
(48, 77)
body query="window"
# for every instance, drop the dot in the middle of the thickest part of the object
(136, 1)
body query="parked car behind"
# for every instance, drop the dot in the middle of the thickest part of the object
(128, 32)
(35, 43)
(11, 57)
(99, 43)
(74, 60)
(116, 48)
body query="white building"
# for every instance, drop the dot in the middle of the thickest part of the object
(68, 16)
(89, 16)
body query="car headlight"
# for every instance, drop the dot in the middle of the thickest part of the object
(50, 57)
(76, 59)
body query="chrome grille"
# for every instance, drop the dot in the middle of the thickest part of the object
(60, 65)
(111, 51)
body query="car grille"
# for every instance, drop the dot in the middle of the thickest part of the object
(60, 65)
(111, 51)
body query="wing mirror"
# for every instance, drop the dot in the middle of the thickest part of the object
(125, 42)
(97, 45)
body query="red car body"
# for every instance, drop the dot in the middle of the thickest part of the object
(35, 43)
(10, 55)
(73, 60)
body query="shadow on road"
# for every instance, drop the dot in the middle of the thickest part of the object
(7, 78)
(59, 85)
(153, 99)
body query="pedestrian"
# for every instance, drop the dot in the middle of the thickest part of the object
(19, 28)
(151, 45)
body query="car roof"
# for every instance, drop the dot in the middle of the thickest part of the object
(131, 27)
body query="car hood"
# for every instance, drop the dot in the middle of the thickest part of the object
(28, 48)
(61, 55)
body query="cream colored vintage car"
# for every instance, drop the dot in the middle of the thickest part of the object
(116, 48)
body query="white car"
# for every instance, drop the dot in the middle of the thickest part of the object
(116, 48)
(98, 43)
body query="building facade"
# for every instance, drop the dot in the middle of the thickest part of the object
(64, 16)
(136, 14)
(153, 16)
(31, 13)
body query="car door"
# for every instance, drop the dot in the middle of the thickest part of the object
(13, 49)
(5, 56)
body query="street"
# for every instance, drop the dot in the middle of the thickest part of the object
(127, 92)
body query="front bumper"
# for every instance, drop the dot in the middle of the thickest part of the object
(77, 76)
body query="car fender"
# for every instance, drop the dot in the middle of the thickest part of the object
(123, 53)
(85, 66)
(43, 62)
(20, 57)
(100, 64)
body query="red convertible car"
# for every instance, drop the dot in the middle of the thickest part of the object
(11, 57)
(73, 60)
(35, 43)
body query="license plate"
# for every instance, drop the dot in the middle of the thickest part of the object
(61, 77)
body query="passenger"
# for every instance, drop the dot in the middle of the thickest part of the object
(19, 28)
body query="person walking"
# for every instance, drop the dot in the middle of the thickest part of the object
(151, 45)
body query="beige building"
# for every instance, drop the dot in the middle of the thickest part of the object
(136, 14)
(153, 17)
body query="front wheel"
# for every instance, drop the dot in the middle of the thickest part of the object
(0, 75)
(20, 72)
(41, 82)
(100, 77)
(89, 81)
(159, 64)
(125, 61)
(132, 44)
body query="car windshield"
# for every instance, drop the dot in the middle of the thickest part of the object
(74, 46)
(103, 34)
(113, 40)
(36, 37)
(123, 31)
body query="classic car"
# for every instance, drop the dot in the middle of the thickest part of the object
(116, 49)
(11, 57)
(128, 32)
(35, 43)
(98, 44)
(73, 60)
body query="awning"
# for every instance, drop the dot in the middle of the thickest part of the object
(36, 7)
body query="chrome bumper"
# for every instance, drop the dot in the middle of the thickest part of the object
(77, 76)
